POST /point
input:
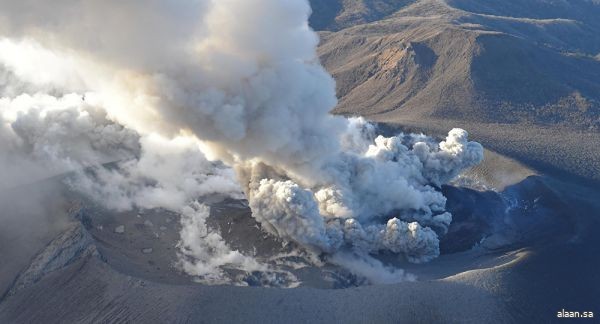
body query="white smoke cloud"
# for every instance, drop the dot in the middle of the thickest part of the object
(53, 135)
(43, 135)
(370, 268)
(392, 177)
(168, 174)
(243, 77)
(204, 252)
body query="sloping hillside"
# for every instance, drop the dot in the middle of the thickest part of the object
(338, 14)
(516, 61)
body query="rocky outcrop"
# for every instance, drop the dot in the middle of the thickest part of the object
(72, 245)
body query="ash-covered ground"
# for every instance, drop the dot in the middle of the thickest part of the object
(178, 161)
(503, 256)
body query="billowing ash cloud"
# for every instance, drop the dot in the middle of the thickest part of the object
(391, 178)
(243, 78)
(168, 174)
(43, 135)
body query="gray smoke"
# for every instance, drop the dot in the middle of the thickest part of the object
(168, 174)
(43, 135)
(242, 81)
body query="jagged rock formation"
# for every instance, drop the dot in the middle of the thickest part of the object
(72, 245)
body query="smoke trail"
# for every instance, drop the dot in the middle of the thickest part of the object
(243, 77)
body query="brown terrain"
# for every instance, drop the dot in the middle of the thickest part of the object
(523, 77)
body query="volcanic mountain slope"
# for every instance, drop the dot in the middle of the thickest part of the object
(339, 14)
(516, 61)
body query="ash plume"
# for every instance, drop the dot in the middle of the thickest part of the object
(240, 82)
(43, 135)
